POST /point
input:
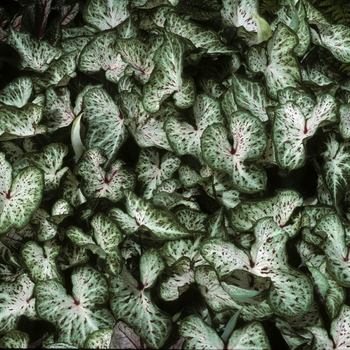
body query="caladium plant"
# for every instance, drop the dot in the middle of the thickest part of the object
(174, 174)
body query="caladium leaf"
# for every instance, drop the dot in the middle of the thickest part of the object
(16, 123)
(100, 53)
(99, 339)
(146, 129)
(344, 121)
(17, 300)
(124, 337)
(251, 96)
(166, 77)
(132, 304)
(340, 329)
(336, 168)
(236, 13)
(151, 266)
(58, 111)
(36, 55)
(41, 261)
(152, 171)
(17, 93)
(15, 340)
(185, 138)
(220, 155)
(46, 229)
(20, 197)
(291, 124)
(71, 189)
(105, 123)
(200, 37)
(161, 224)
(278, 63)
(280, 207)
(79, 315)
(330, 228)
(106, 14)
(98, 183)
(49, 159)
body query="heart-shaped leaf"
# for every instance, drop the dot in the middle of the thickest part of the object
(76, 316)
(98, 183)
(220, 155)
(20, 197)
(166, 77)
(185, 138)
(99, 339)
(131, 303)
(15, 340)
(17, 93)
(105, 124)
(17, 300)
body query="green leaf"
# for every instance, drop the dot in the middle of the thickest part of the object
(198, 334)
(152, 171)
(340, 329)
(220, 155)
(106, 14)
(132, 304)
(344, 121)
(19, 198)
(76, 316)
(15, 340)
(16, 300)
(105, 123)
(35, 55)
(292, 124)
(278, 63)
(336, 168)
(41, 261)
(99, 339)
(98, 183)
(281, 206)
(166, 77)
(17, 93)
(185, 138)
(16, 123)
(162, 224)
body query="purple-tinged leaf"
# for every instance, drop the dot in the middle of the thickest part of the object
(68, 13)
(124, 337)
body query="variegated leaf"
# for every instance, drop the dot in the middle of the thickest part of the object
(99, 339)
(15, 340)
(124, 337)
(17, 93)
(340, 329)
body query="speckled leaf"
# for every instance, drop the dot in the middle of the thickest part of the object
(49, 159)
(125, 338)
(212, 291)
(58, 111)
(106, 14)
(17, 93)
(192, 219)
(198, 334)
(19, 200)
(250, 336)
(344, 121)
(41, 261)
(146, 129)
(185, 138)
(176, 279)
(240, 13)
(125, 222)
(15, 340)
(251, 96)
(166, 77)
(76, 316)
(201, 37)
(35, 54)
(321, 338)
(336, 168)
(337, 253)
(105, 124)
(280, 67)
(152, 171)
(98, 183)
(161, 223)
(16, 300)
(71, 189)
(151, 266)
(132, 304)
(334, 37)
(99, 339)
(280, 207)
(99, 54)
(45, 228)
(16, 123)
(340, 329)
(108, 237)
(291, 124)
(71, 256)
(249, 143)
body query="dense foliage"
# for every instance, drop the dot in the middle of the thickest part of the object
(174, 174)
